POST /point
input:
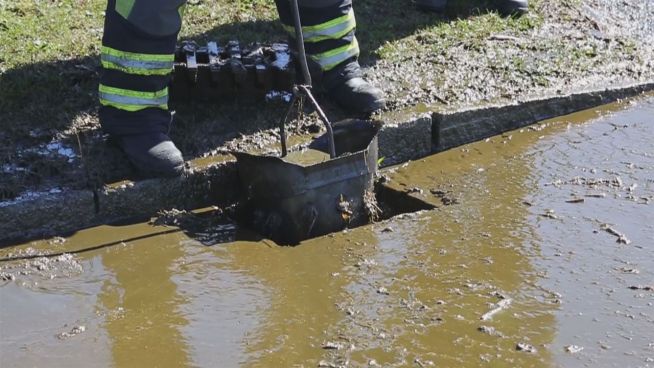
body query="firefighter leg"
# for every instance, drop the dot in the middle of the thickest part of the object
(328, 28)
(137, 58)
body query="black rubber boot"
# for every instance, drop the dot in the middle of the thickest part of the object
(153, 154)
(510, 7)
(345, 86)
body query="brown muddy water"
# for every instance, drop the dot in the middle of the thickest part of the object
(538, 255)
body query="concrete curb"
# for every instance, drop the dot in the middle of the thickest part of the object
(455, 128)
(69, 211)
(405, 136)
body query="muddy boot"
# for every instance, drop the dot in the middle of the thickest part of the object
(510, 7)
(432, 5)
(153, 154)
(345, 86)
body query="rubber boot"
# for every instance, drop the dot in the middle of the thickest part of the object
(153, 154)
(346, 86)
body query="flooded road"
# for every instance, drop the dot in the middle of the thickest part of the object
(539, 254)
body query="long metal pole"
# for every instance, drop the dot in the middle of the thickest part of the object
(305, 88)
(299, 39)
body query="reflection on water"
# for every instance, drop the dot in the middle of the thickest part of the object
(509, 270)
(597, 179)
(145, 328)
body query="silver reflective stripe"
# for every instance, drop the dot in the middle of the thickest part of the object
(127, 100)
(137, 64)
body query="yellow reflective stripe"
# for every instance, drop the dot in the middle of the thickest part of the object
(135, 70)
(137, 56)
(331, 30)
(130, 100)
(124, 7)
(329, 59)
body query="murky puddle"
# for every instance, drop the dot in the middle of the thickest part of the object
(539, 254)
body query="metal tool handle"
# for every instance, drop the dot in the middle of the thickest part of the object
(305, 89)
(299, 39)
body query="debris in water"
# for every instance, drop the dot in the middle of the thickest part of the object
(642, 287)
(366, 262)
(622, 238)
(521, 346)
(444, 197)
(498, 307)
(616, 182)
(74, 331)
(414, 190)
(575, 200)
(549, 214)
(57, 240)
(6, 276)
(387, 229)
(572, 349)
(329, 345)
(382, 290)
(596, 195)
(490, 331)
(426, 363)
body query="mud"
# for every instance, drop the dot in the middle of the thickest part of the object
(578, 46)
(483, 279)
(561, 47)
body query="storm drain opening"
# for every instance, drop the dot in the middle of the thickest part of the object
(212, 226)
(382, 203)
(393, 202)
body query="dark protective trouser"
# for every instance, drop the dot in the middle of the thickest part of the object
(139, 43)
